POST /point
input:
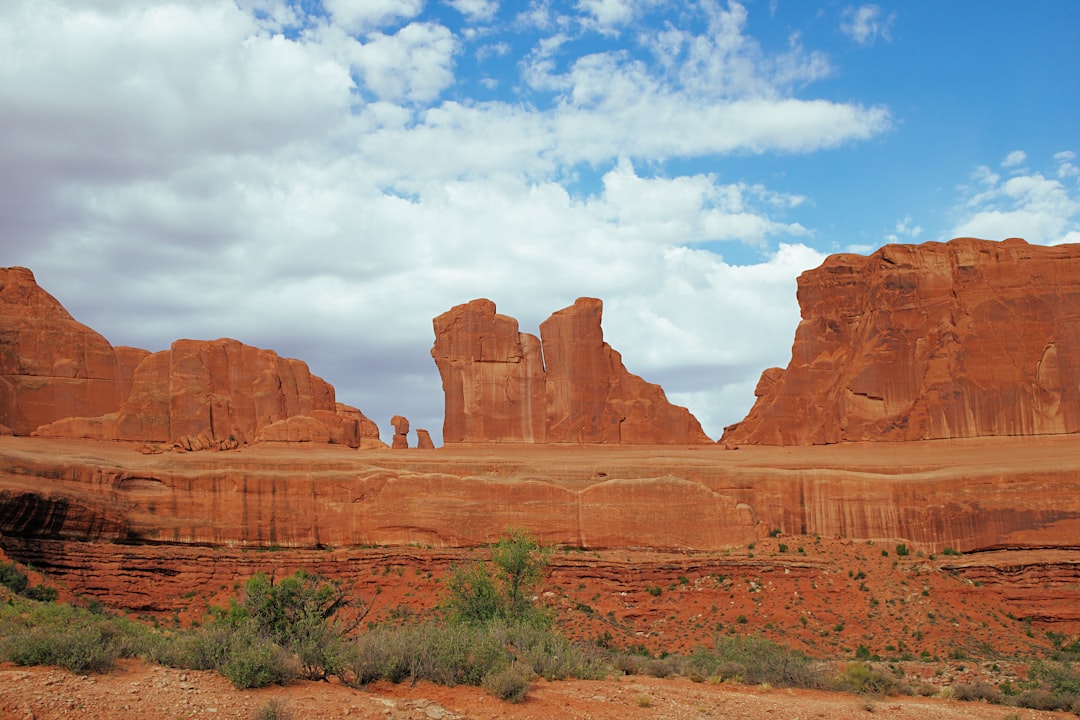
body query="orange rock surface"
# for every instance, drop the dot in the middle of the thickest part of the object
(59, 378)
(569, 386)
(962, 339)
(969, 495)
(51, 366)
(219, 394)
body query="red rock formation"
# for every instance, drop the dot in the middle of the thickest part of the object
(492, 375)
(423, 440)
(962, 339)
(219, 394)
(59, 378)
(502, 385)
(401, 433)
(51, 366)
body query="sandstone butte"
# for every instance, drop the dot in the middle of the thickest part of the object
(61, 379)
(917, 342)
(567, 386)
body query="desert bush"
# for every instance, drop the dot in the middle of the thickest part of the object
(864, 679)
(511, 684)
(69, 637)
(273, 709)
(979, 690)
(254, 660)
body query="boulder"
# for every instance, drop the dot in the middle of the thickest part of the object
(940, 340)
(568, 386)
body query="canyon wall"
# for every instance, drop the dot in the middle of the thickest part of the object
(707, 499)
(940, 340)
(567, 386)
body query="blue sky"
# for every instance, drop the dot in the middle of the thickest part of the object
(324, 177)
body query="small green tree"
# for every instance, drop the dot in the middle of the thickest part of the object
(503, 589)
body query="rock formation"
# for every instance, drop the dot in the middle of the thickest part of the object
(401, 433)
(51, 366)
(219, 394)
(569, 386)
(423, 440)
(60, 378)
(961, 339)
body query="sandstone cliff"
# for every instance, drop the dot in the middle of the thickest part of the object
(51, 366)
(962, 339)
(60, 378)
(568, 386)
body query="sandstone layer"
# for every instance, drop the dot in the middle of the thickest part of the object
(967, 495)
(962, 339)
(567, 386)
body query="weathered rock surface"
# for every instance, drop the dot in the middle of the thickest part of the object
(968, 495)
(569, 386)
(219, 394)
(51, 366)
(423, 440)
(941, 340)
(59, 378)
(401, 433)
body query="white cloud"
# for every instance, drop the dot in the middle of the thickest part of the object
(866, 23)
(1016, 157)
(906, 231)
(358, 16)
(1028, 205)
(475, 10)
(413, 64)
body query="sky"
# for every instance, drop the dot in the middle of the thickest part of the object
(324, 177)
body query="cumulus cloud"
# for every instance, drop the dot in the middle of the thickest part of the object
(866, 23)
(1030, 205)
(319, 183)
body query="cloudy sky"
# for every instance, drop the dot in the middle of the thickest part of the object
(323, 177)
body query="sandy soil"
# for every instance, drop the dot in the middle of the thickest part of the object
(137, 691)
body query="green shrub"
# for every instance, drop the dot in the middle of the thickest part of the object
(13, 578)
(255, 661)
(69, 637)
(864, 679)
(511, 684)
(755, 661)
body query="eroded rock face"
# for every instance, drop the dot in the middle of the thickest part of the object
(219, 394)
(401, 433)
(51, 366)
(568, 386)
(59, 378)
(940, 340)
(492, 375)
